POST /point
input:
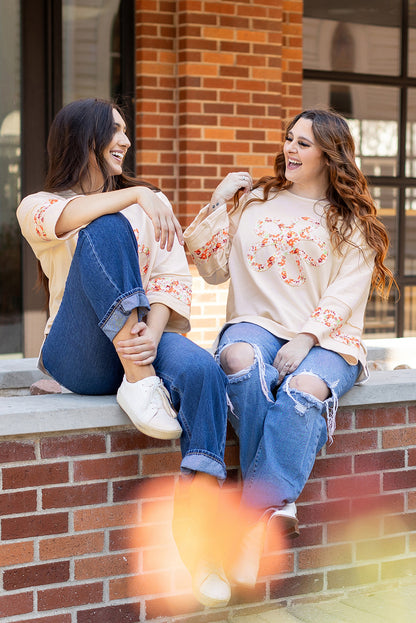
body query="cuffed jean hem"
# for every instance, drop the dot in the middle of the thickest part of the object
(120, 310)
(201, 462)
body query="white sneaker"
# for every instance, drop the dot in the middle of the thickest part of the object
(246, 565)
(288, 519)
(210, 586)
(148, 405)
(245, 568)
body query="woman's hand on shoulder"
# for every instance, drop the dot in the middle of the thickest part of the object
(165, 223)
(291, 355)
(229, 186)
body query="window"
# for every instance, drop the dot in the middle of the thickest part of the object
(98, 55)
(359, 58)
(90, 49)
(10, 169)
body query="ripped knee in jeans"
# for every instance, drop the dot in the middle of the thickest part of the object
(236, 357)
(315, 391)
(239, 359)
(310, 384)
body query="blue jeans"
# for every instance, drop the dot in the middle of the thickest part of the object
(103, 287)
(280, 429)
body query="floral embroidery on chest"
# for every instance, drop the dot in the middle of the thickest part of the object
(288, 243)
(334, 321)
(142, 250)
(217, 241)
(39, 218)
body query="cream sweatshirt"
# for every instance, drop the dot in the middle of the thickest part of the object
(284, 274)
(165, 274)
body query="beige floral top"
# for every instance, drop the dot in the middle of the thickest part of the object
(284, 274)
(165, 275)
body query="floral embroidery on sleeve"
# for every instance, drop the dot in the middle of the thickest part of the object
(142, 249)
(287, 239)
(39, 218)
(174, 287)
(334, 321)
(217, 241)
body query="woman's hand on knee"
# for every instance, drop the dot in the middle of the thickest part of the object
(141, 348)
(291, 355)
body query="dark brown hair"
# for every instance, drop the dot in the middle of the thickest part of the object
(79, 128)
(349, 200)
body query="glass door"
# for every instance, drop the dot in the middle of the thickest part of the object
(10, 181)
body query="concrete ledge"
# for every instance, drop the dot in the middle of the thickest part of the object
(19, 373)
(24, 415)
(383, 387)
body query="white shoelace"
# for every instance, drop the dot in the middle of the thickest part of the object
(162, 399)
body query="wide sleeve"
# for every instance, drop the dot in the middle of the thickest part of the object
(339, 315)
(170, 283)
(209, 243)
(38, 214)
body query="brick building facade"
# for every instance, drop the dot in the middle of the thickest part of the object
(85, 500)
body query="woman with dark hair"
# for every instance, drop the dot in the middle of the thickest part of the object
(302, 249)
(120, 294)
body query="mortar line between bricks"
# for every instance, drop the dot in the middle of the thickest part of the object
(71, 521)
(71, 471)
(38, 499)
(35, 600)
(37, 449)
(36, 550)
(108, 442)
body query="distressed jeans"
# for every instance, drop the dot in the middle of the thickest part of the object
(280, 429)
(103, 287)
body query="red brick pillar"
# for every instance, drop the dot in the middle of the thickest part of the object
(216, 80)
(291, 58)
(156, 93)
(230, 92)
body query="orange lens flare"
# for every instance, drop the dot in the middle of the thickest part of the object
(197, 520)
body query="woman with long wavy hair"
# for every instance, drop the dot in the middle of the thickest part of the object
(120, 295)
(302, 249)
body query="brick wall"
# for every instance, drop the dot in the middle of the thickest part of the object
(208, 310)
(216, 81)
(85, 523)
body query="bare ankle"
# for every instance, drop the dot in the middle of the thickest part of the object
(136, 373)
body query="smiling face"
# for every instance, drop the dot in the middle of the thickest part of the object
(115, 152)
(305, 163)
(112, 157)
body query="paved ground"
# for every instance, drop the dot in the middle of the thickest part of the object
(391, 605)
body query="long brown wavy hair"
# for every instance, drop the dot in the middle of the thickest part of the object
(79, 128)
(349, 200)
